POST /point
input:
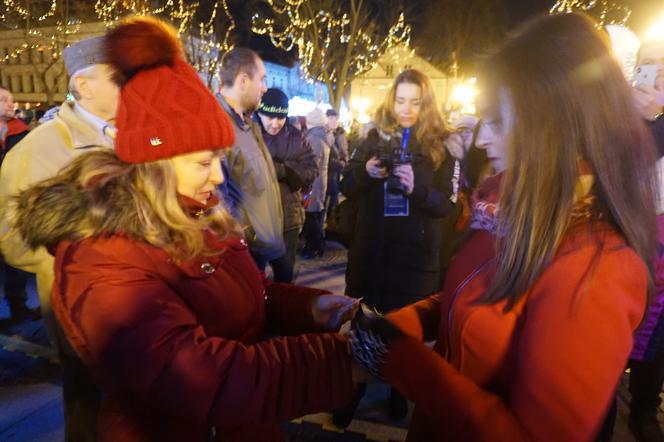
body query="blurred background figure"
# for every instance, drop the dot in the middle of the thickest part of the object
(13, 130)
(295, 122)
(647, 358)
(320, 140)
(338, 160)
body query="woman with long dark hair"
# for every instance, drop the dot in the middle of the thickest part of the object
(534, 325)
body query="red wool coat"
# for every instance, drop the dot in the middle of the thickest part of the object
(179, 348)
(546, 370)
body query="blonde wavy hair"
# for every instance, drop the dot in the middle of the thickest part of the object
(99, 195)
(431, 130)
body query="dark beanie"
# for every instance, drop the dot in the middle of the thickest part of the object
(274, 103)
(331, 113)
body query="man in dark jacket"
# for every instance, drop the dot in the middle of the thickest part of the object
(12, 130)
(294, 162)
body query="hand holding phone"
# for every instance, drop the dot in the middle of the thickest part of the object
(646, 75)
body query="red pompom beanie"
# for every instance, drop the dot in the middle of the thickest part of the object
(165, 110)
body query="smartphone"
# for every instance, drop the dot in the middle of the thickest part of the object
(646, 74)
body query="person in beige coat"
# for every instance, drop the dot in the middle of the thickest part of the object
(82, 125)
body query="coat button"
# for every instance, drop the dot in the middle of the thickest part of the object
(207, 268)
(243, 241)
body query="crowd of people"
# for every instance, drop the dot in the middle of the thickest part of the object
(525, 243)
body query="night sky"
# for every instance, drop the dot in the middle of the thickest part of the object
(644, 13)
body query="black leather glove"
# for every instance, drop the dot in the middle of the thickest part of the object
(371, 334)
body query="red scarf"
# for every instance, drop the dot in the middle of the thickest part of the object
(14, 127)
(484, 205)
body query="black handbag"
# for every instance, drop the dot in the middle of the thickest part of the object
(341, 222)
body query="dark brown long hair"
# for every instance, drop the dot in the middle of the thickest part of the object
(431, 129)
(571, 106)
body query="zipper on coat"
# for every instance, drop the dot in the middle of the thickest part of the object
(460, 287)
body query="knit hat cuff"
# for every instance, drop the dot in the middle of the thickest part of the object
(174, 137)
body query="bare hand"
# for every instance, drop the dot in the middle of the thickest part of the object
(375, 170)
(406, 177)
(330, 311)
(454, 145)
(649, 101)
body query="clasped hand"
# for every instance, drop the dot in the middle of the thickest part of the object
(403, 171)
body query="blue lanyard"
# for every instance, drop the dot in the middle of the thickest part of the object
(404, 144)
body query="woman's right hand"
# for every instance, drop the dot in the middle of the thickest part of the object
(375, 170)
(649, 101)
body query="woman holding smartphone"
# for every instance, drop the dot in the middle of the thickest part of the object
(402, 179)
(535, 323)
(647, 359)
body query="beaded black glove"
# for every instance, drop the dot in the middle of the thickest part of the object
(370, 336)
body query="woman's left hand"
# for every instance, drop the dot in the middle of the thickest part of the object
(649, 101)
(406, 176)
(330, 311)
(454, 145)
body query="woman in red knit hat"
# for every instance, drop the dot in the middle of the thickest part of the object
(155, 287)
(534, 324)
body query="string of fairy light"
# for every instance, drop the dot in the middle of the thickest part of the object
(42, 31)
(201, 39)
(610, 12)
(47, 33)
(205, 48)
(180, 13)
(296, 20)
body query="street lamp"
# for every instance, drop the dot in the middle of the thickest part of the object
(625, 45)
(462, 97)
(359, 106)
(656, 31)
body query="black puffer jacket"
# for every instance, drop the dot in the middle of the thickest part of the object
(394, 261)
(296, 168)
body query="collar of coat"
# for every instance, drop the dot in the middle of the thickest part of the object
(16, 126)
(244, 123)
(196, 208)
(82, 133)
(485, 208)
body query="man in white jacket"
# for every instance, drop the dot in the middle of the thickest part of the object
(82, 125)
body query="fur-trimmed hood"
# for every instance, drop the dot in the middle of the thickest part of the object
(99, 196)
(51, 212)
(61, 209)
(82, 201)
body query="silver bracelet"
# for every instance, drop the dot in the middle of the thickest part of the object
(368, 350)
